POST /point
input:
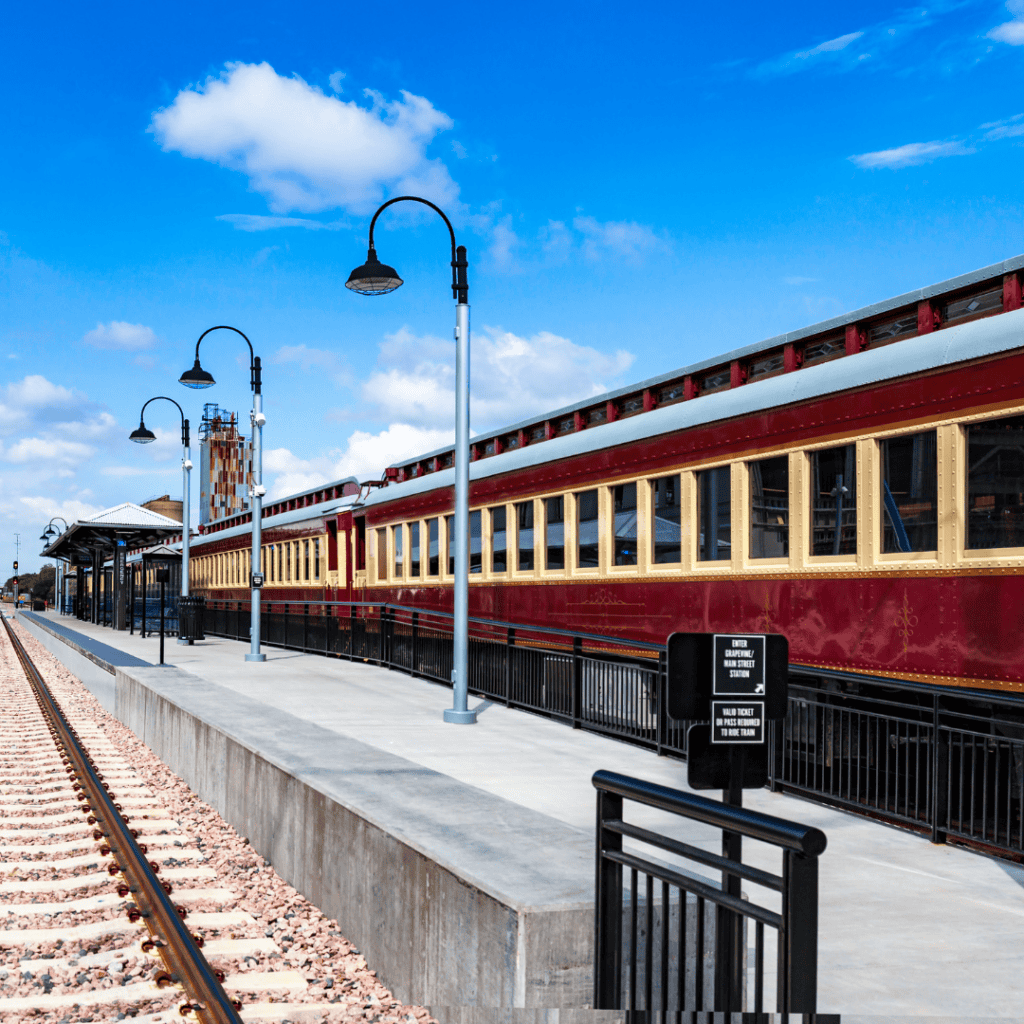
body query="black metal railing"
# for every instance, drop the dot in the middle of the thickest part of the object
(947, 763)
(666, 945)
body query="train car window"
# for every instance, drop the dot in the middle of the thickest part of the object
(910, 493)
(554, 533)
(397, 548)
(499, 540)
(273, 565)
(995, 483)
(714, 513)
(382, 553)
(288, 562)
(433, 564)
(834, 501)
(524, 520)
(305, 561)
(414, 549)
(769, 508)
(586, 530)
(316, 558)
(360, 543)
(476, 542)
(666, 532)
(450, 531)
(624, 502)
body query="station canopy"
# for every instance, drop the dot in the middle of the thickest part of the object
(126, 525)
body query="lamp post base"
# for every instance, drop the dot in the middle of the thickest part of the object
(255, 657)
(459, 717)
(184, 643)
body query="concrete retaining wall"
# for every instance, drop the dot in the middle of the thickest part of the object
(456, 897)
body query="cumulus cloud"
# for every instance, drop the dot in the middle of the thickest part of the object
(910, 155)
(304, 150)
(512, 377)
(69, 509)
(363, 456)
(121, 336)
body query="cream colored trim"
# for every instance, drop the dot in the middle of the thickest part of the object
(868, 508)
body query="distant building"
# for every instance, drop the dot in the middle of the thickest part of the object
(165, 505)
(225, 465)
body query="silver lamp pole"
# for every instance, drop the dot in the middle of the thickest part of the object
(258, 419)
(145, 436)
(376, 278)
(197, 377)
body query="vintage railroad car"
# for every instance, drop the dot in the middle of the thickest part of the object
(857, 486)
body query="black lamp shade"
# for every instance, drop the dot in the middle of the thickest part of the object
(197, 377)
(373, 277)
(143, 435)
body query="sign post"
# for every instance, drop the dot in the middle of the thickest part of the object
(735, 683)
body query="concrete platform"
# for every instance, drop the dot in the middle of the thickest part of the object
(460, 858)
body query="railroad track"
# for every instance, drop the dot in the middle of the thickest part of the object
(121, 895)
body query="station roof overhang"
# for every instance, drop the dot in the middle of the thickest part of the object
(127, 525)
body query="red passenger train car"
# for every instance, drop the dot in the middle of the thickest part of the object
(857, 486)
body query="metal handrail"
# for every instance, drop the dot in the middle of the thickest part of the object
(767, 828)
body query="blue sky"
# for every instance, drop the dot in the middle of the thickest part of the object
(636, 190)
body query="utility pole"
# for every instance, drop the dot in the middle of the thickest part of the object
(17, 553)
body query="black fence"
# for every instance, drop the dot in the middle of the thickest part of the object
(946, 763)
(679, 943)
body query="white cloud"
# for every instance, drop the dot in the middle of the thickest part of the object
(829, 46)
(911, 155)
(121, 336)
(37, 449)
(1011, 32)
(364, 456)
(69, 509)
(256, 222)
(1006, 129)
(310, 360)
(304, 150)
(622, 239)
(335, 79)
(512, 377)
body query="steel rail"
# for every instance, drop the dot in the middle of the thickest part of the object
(177, 946)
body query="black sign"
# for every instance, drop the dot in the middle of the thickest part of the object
(737, 721)
(706, 666)
(738, 665)
(257, 580)
(714, 765)
(163, 574)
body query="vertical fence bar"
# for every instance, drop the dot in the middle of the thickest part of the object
(608, 908)
(577, 680)
(798, 945)
(510, 643)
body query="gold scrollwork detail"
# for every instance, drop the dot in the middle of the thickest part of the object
(905, 622)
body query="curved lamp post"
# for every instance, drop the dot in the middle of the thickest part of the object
(375, 278)
(46, 537)
(197, 377)
(145, 436)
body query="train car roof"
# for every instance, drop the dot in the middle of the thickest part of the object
(952, 345)
(949, 287)
(295, 515)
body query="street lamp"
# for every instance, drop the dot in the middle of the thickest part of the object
(46, 537)
(145, 436)
(197, 377)
(376, 278)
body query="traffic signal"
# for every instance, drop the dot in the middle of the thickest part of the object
(15, 566)
(15, 581)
